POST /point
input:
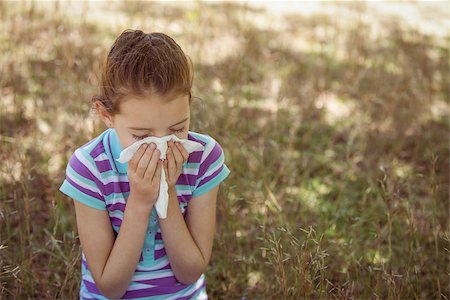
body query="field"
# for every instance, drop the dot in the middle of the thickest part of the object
(334, 123)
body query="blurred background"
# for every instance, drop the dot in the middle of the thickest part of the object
(334, 119)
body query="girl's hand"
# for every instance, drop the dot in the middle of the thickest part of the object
(176, 156)
(144, 174)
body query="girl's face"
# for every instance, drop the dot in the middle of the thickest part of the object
(155, 116)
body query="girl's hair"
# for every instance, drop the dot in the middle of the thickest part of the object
(144, 64)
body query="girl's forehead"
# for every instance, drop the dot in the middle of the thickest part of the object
(160, 110)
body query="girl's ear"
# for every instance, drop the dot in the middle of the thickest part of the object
(104, 115)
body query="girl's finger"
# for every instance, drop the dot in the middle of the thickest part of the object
(177, 154)
(152, 165)
(137, 157)
(171, 163)
(157, 176)
(166, 168)
(183, 151)
(143, 163)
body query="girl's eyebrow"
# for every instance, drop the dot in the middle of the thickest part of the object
(137, 128)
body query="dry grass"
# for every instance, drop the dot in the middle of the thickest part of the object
(335, 129)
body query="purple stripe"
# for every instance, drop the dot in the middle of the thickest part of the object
(195, 157)
(205, 180)
(192, 138)
(98, 149)
(91, 287)
(170, 280)
(111, 150)
(115, 221)
(116, 187)
(187, 179)
(85, 191)
(166, 267)
(116, 206)
(160, 253)
(154, 291)
(184, 198)
(158, 236)
(103, 165)
(82, 170)
(212, 157)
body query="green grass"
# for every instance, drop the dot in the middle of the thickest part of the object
(336, 135)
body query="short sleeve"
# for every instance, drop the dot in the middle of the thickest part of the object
(80, 183)
(213, 169)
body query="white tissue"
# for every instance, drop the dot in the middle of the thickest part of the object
(161, 143)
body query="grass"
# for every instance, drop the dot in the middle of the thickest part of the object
(335, 129)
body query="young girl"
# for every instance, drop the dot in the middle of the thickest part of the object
(127, 250)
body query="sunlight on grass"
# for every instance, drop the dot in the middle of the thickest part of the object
(334, 122)
(336, 109)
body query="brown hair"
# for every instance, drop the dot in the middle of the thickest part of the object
(144, 64)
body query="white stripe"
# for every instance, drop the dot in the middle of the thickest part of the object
(202, 295)
(139, 286)
(101, 157)
(116, 213)
(133, 287)
(208, 148)
(190, 171)
(117, 199)
(183, 192)
(88, 164)
(115, 178)
(210, 172)
(136, 276)
(87, 276)
(141, 277)
(82, 184)
(159, 247)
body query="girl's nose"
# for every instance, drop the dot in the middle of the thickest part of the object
(160, 135)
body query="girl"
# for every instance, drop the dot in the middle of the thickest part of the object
(127, 251)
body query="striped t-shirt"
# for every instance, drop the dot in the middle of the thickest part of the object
(95, 178)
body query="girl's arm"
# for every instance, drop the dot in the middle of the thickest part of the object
(189, 243)
(112, 262)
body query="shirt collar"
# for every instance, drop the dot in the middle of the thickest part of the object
(114, 148)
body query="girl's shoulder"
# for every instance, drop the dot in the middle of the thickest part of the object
(198, 137)
(205, 139)
(212, 150)
(210, 162)
(96, 145)
(86, 172)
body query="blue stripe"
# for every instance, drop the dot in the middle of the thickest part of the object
(79, 177)
(75, 194)
(212, 166)
(117, 196)
(212, 183)
(88, 148)
(191, 165)
(202, 137)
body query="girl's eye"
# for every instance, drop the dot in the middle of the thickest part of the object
(178, 130)
(136, 137)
